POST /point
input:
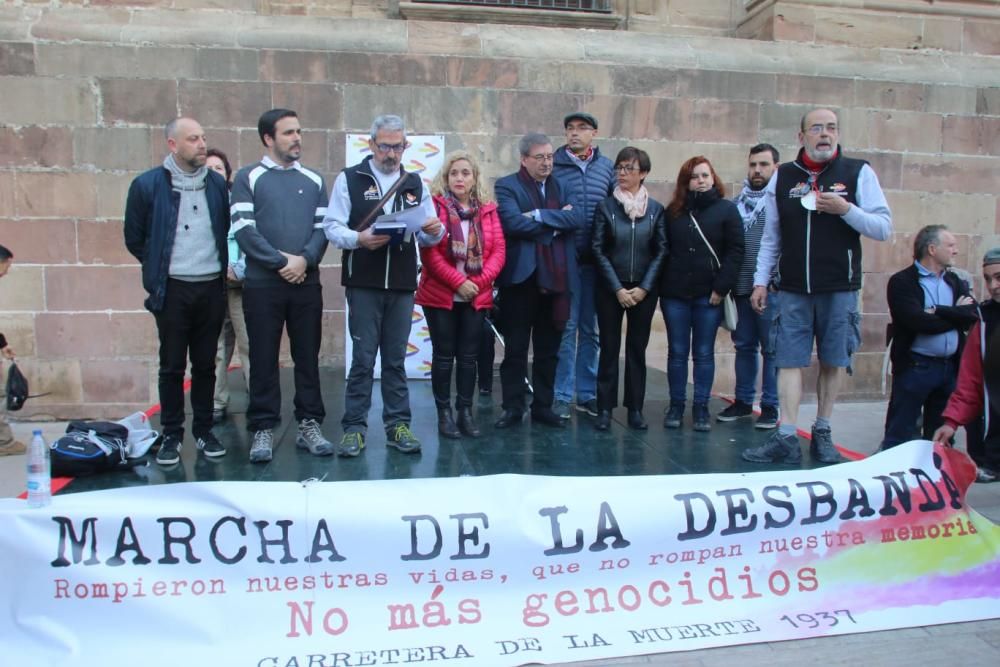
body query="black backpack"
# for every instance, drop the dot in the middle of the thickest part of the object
(89, 448)
(17, 388)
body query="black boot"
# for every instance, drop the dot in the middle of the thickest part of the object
(446, 424)
(466, 423)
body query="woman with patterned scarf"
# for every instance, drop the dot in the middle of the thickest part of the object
(456, 286)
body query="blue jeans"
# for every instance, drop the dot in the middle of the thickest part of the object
(919, 395)
(691, 328)
(576, 374)
(752, 336)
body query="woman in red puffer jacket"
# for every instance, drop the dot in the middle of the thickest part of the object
(456, 286)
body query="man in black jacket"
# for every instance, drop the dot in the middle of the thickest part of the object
(931, 311)
(176, 221)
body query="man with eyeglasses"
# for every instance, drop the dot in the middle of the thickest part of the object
(537, 280)
(380, 280)
(817, 208)
(586, 178)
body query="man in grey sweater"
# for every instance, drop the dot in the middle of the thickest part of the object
(277, 210)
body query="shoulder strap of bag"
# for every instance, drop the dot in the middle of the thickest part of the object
(710, 248)
(368, 219)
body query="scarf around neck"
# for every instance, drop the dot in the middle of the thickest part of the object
(461, 248)
(551, 260)
(750, 202)
(634, 203)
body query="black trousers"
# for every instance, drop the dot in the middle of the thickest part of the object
(609, 324)
(455, 335)
(527, 320)
(268, 312)
(487, 355)
(189, 323)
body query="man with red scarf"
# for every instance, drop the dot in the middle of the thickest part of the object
(817, 208)
(537, 280)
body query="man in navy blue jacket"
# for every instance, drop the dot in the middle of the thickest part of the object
(176, 221)
(586, 178)
(537, 280)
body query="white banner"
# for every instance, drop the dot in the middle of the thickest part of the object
(425, 156)
(500, 570)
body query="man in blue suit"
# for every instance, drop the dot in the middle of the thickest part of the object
(537, 280)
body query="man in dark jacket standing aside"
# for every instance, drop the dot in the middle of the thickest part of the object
(176, 221)
(380, 280)
(586, 178)
(537, 279)
(817, 208)
(931, 311)
(277, 210)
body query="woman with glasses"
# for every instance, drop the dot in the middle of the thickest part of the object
(629, 244)
(705, 237)
(456, 286)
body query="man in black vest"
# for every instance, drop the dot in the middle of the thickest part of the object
(817, 209)
(380, 279)
(931, 311)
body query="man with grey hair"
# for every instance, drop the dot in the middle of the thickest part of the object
(816, 207)
(176, 221)
(537, 280)
(931, 310)
(380, 280)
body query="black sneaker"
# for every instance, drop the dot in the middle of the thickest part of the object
(776, 449)
(737, 410)
(210, 445)
(822, 448)
(768, 417)
(402, 438)
(170, 451)
(561, 408)
(590, 407)
(351, 444)
(700, 417)
(674, 416)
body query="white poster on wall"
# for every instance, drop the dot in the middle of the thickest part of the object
(425, 156)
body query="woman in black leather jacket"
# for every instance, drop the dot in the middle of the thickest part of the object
(694, 282)
(629, 244)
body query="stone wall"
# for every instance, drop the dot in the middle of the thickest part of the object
(86, 91)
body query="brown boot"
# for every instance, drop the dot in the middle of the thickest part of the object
(12, 448)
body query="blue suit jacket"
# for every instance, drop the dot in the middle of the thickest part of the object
(522, 232)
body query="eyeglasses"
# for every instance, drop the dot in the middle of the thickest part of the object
(626, 168)
(395, 148)
(818, 128)
(542, 157)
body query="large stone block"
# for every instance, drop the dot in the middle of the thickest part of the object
(332, 349)
(972, 135)
(725, 85)
(225, 103)
(7, 193)
(333, 291)
(951, 99)
(133, 334)
(93, 288)
(143, 101)
(522, 112)
(988, 101)
(890, 95)
(59, 379)
(106, 381)
(102, 242)
(112, 148)
(887, 166)
(779, 123)
(66, 101)
(585, 78)
(869, 29)
(23, 287)
(73, 335)
(388, 69)
(722, 121)
(19, 329)
(981, 37)
(912, 210)
(318, 105)
(647, 81)
(55, 195)
(425, 110)
(908, 131)
(951, 174)
(443, 37)
(17, 59)
(36, 147)
(299, 66)
(814, 90)
(40, 241)
(112, 190)
(227, 64)
(483, 73)
(942, 32)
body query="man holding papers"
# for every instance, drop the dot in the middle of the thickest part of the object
(380, 279)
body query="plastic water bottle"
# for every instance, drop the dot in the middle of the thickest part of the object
(39, 473)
